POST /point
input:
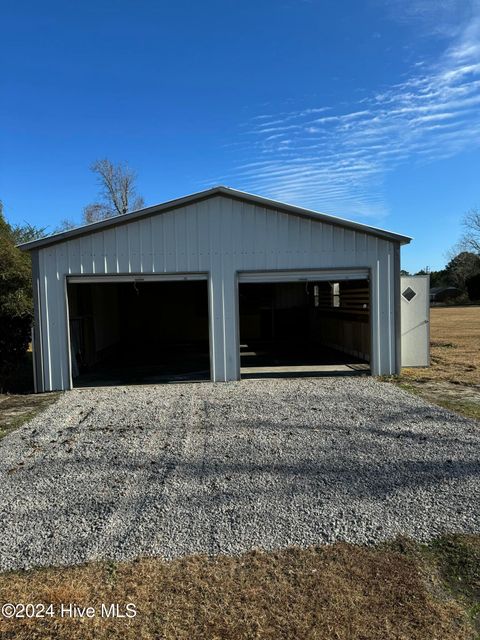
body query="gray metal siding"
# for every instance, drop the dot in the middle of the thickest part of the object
(220, 236)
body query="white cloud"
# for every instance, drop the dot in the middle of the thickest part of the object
(337, 162)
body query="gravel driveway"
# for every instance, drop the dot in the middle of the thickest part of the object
(183, 468)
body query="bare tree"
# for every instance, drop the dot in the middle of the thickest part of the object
(118, 194)
(471, 237)
(64, 225)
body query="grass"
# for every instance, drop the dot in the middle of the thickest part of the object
(451, 399)
(401, 591)
(453, 378)
(454, 347)
(15, 410)
(457, 561)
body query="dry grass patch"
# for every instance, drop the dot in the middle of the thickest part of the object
(453, 379)
(336, 592)
(455, 347)
(15, 409)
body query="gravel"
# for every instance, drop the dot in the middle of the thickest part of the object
(176, 469)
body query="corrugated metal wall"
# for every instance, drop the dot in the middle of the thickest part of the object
(219, 236)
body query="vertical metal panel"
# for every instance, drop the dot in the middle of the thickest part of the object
(169, 243)
(229, 292)
(110, 252)
(74, 261)
(133, 248)
(157, 243)
(145, 236)
(220, 236)
(123, 256)
(86, 263)
(98, 253)
(48, 296)
(203, 227)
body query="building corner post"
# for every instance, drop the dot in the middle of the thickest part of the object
(37, 346)
(398, 314)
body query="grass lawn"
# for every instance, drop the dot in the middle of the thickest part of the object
(453, 379)
(338, 592)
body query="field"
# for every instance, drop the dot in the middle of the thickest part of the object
(453, 379)
(340, 592)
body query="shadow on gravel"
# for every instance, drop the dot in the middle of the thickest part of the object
(274, 473)
(350, 473)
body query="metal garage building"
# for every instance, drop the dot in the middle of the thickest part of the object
(209, 283)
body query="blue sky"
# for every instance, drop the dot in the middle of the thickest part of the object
(368, 109)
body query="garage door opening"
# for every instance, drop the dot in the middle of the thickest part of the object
(304, 328)
(138, 332)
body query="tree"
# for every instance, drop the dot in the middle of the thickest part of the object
(473, 287)
(423, 272)
(15, 297)
(471, 238)
(118, 194)
(438, 278)
(65, 225)
(462, 267)
(24, 232)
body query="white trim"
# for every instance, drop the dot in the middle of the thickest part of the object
(306, 275)
(69, 344)
(136, 277)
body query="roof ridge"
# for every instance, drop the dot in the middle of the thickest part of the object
(176, 203)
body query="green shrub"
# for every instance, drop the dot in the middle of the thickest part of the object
(15, 302)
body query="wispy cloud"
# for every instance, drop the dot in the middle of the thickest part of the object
(337, 161)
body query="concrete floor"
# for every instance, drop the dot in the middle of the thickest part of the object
(308, 370)
(185, 363)
(271, 359)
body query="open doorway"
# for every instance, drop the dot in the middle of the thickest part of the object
(138, 332)
(304, 327)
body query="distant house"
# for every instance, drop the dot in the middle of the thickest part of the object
(444, 294)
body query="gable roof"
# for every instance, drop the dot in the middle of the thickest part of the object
(203, 195)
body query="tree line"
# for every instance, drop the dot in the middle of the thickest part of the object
(462, 271)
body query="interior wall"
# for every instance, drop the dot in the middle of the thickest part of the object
(346, 327)
(273, 311)
(305, 312)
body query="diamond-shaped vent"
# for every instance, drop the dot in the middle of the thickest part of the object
(409, 294)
